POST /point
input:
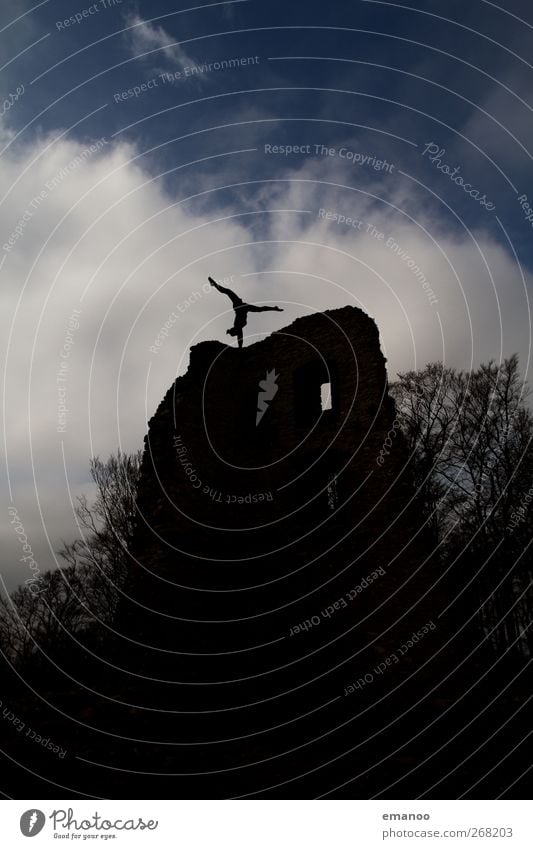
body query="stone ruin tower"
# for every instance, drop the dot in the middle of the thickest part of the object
(278, 562)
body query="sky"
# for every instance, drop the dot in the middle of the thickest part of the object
(313, 155)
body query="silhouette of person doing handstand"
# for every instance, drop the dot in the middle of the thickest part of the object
(241, 310)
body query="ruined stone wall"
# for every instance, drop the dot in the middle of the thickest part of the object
(279, 559)
(225, 502)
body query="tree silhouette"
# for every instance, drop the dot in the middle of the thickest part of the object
(470, 436)
(81, 596)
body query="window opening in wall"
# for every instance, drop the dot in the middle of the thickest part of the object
(325, 396)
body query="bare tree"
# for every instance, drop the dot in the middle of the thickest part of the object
(471, 436)
(426, 407)
(106, 528)
(44, 614)
(81, 596)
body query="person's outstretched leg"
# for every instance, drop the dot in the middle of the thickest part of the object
(251, 308)
(235, 300)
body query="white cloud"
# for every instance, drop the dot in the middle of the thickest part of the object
(145, 37)
(107, 230)
(108, 240)
(482, 309)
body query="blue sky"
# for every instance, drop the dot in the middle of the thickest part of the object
(407, 126)
(463, 83)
